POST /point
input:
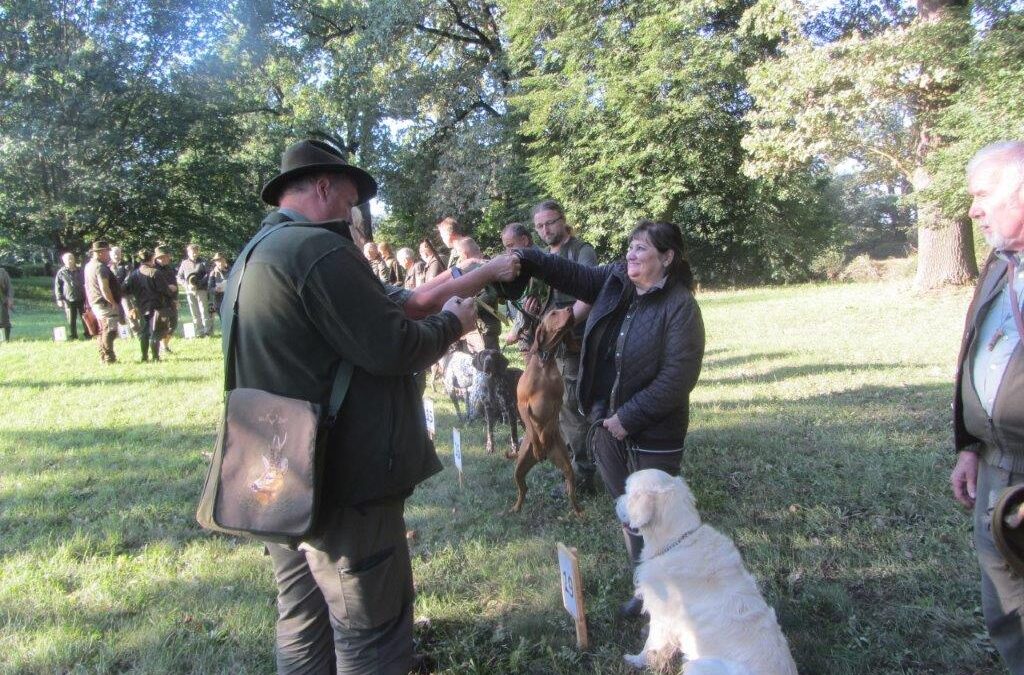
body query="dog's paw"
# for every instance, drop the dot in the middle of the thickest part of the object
(635, 660)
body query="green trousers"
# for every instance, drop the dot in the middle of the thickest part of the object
(344, 599)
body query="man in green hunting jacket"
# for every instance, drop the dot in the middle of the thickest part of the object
(310, 301)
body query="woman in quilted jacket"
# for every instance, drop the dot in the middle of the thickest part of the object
(641, 356)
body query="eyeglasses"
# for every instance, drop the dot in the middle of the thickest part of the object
(549, 223)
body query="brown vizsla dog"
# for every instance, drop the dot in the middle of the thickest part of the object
(539, 398)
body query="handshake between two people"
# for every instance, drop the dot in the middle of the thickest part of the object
(460, 290)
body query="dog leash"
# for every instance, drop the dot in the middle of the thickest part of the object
(490, 310)
(677, 542)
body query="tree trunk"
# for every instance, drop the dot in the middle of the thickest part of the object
(945, 248)
(945, 251)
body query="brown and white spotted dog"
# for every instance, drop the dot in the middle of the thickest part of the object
(494, 394)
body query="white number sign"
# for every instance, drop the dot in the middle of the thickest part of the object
(572, 591)
(428, 413)
(457, 448)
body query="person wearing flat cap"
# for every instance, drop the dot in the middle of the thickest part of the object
(308, 303)
(104, 295)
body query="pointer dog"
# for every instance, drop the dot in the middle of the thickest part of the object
(539, 398)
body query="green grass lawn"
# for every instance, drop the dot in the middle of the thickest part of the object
(820, 442)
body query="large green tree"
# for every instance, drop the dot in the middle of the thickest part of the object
(987, 108)
(871, 88)
(418, 87)
(113, 122)
(635, 110)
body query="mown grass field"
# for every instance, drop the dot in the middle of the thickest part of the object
(820, 441)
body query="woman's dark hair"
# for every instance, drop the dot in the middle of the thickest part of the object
(430, 247)
(144, 255)
(667, 237)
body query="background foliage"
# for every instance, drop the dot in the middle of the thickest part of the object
(157, 120)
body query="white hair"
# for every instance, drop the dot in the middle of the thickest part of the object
(405, 254)
(1011, 154)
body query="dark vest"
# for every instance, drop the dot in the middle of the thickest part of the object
(1002, 434)
(570, 251)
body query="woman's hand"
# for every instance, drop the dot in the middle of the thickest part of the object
(614, 427)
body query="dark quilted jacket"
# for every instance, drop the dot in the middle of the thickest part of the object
(658, 359)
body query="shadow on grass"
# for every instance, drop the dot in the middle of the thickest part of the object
(711, 359)
(787, 372)
(218, 620)
(840, 504)
(105, 381)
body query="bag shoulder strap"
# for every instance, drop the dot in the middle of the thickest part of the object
(343, 375)
(231, 293)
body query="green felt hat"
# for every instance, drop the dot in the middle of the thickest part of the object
(309, 157)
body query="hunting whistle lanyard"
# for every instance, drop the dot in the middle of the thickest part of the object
(343, 376)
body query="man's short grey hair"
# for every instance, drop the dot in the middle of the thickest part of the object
(304, 183)
(404, 254)
(519, 230)
(1010, 152)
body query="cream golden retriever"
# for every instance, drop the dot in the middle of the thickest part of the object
(701, 599)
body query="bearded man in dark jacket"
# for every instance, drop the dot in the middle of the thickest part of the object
(309, 302)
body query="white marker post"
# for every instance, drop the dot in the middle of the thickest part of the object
(188, 330)
(123, 331)
(457, 452)
(572, 591)
(60, 334)
(428, 413)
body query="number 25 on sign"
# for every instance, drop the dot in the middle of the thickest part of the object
(572, 591)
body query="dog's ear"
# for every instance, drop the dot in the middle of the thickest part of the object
(565, 320)
(540, 335)
(640, 508)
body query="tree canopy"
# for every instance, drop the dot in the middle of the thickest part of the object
(157, 120)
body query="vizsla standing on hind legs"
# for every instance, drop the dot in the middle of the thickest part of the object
(539, 398)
